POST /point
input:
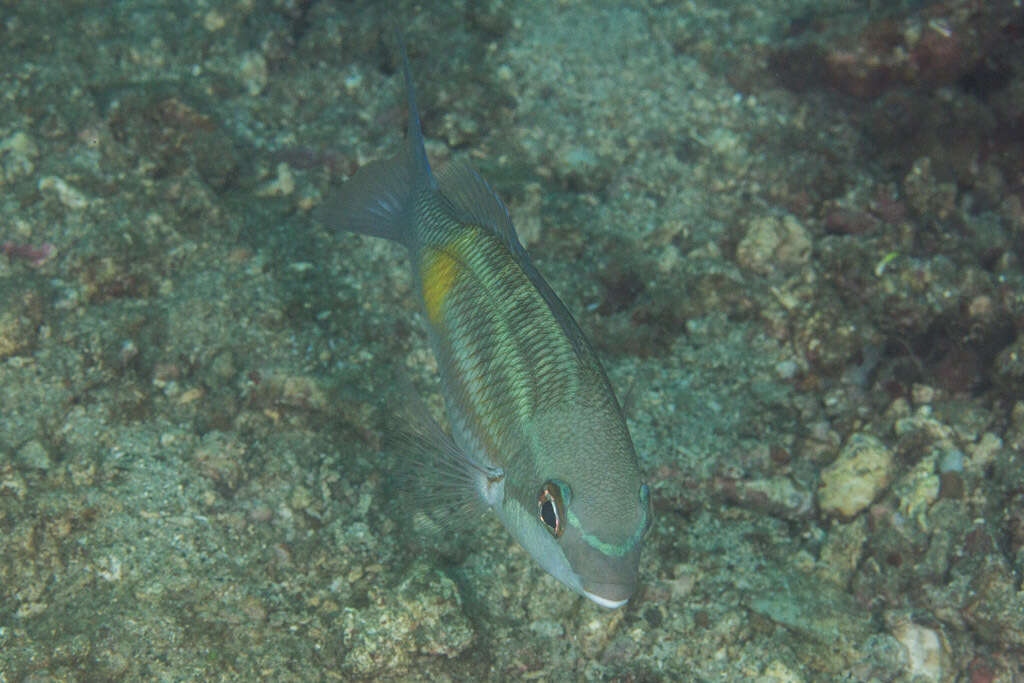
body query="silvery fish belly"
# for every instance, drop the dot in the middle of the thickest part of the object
(536, 432)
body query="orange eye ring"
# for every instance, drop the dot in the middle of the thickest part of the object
(551, 508)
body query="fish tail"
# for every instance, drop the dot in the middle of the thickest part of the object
(377, 200)
(416, 151)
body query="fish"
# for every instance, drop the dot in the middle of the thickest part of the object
(536, 433)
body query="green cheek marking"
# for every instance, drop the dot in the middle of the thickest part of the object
(609, 548)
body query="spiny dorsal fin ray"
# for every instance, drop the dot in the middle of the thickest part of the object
(475, 201)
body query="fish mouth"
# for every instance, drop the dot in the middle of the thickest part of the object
(610, 595)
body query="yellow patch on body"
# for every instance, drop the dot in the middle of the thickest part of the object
(438, 274)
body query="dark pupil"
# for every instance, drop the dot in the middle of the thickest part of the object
(549, 514)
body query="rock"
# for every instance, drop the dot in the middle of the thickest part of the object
(862, 471)
(422, 617)
(18, 153)
(220, 457)
(918, 489)
(1009, 366)
(772, 243)
(20, 317)
(583, 169)
(777, 496)
(842, 551)
(926, 195)
(927, 658)
(995, 608)
(817, 610)
(253, 72)
(34, 456)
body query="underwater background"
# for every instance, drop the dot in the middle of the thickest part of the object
(793, 231)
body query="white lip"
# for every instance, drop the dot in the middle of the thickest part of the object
(605, 602)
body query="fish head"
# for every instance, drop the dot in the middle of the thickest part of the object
(583, 507)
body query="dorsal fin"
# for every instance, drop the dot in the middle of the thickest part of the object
(475, 201)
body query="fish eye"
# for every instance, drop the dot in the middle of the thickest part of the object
(551, 507)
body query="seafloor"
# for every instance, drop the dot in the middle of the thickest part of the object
(792, 230)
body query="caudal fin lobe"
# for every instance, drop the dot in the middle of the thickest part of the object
(373, 202)
(376, 200)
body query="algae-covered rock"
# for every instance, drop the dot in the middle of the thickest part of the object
(772, 243)
(818, 610)
(423, 616)
(20, 317)
(842, 551)
(862, 471)
(995, 608)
